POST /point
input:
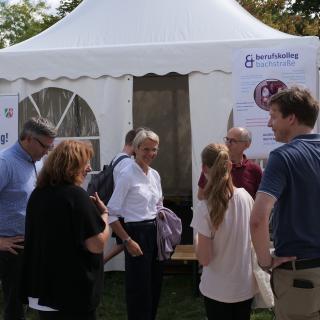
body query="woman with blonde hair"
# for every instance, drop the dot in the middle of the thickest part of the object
(135, 198)
(223, 244)
(64, 239)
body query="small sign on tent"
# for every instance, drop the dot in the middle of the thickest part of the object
(8, 120)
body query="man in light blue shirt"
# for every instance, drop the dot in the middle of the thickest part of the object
(19, 166)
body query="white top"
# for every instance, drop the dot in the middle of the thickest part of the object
(120, 166)
(34, 304)
(229, 276)
(136, 195)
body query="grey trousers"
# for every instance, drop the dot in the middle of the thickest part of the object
(294, 303)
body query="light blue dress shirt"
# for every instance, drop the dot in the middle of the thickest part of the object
(18, 174)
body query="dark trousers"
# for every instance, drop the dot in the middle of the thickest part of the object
(143, 274)
(57, 315)
(10, 275)
(227, 311)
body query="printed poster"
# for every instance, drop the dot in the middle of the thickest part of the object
(259, 73)
(8, 120)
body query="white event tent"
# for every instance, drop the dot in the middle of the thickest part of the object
(98, 51)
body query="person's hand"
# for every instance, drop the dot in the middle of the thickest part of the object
(99, 203)
(161, 215)
(277, 261)
(11, 243)
(134, 248)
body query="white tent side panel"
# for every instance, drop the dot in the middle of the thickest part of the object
(210, 108)
(110, 99)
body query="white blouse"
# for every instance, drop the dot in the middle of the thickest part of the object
(136, 195)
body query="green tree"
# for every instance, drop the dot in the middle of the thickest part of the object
(23, 20)
(306, 7)
(279, 14)
(66, 6)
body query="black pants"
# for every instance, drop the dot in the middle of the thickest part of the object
(10, 275)
(227, 311)
(57, 315)
(143, 273)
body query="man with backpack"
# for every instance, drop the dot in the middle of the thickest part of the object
(126, 155)
(126, 151)
(105, 183)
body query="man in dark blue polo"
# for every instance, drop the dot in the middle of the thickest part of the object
(19, 166)
(291, 184)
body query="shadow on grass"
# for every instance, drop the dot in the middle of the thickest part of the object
(177, 300)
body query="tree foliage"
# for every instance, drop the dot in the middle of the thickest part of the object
(23, 20)
(306, 7)
(66, 6)
(286, 16)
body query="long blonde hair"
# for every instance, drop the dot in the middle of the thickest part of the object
(219, 188)
(64, 163)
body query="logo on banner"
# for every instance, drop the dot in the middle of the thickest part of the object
(249, 61)
(8, 112)
(271, 60)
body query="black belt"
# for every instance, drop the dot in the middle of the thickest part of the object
(301, 264)
(141, 223)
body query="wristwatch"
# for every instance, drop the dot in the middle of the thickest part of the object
(126, 241)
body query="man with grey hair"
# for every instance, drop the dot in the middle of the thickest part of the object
(245, 173)
(19, 166)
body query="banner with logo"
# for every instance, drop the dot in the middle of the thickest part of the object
(8, 120)
(259, 73)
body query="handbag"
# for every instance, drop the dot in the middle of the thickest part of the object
(264, 298)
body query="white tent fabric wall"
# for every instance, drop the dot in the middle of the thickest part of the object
(210, 107)
(110, 99)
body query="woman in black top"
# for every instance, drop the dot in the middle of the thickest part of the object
(64, 239)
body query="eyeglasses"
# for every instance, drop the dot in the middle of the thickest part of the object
(147, 150)
(231, 140)
(45, 147)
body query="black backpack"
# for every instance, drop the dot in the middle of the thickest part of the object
(102, 182)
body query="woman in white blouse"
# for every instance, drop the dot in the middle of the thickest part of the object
(223, 243)
(135, 198)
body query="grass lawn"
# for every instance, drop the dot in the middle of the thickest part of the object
(177, 300)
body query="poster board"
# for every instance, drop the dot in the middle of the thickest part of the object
(8, 120)
(259, 73)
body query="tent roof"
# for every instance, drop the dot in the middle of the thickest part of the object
(116, 37)
(98, 23)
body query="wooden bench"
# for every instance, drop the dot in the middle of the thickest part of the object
(186, 253)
